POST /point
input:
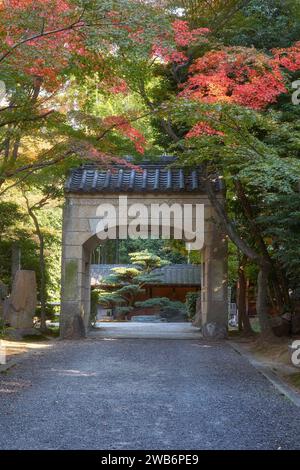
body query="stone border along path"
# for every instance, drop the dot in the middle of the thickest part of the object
(283, 387)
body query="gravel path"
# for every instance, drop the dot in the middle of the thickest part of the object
(143, 394)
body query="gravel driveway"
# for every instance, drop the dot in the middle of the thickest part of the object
(143, 394)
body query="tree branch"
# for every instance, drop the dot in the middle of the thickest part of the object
(227, 223)
(29, 119)
(43, 34)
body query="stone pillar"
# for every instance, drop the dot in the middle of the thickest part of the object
(86, 288)
(72, 307)
(214, 283)
(197, 322)
(73, 281)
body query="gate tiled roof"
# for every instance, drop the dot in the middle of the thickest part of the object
(159, 176)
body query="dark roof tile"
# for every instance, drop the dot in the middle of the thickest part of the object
(152, 177)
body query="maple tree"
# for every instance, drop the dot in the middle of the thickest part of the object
(234, 75)
(48, 46)
(239, 76)
(40, 38)
(169, 46)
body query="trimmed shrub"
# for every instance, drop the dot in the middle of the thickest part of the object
(191, 303)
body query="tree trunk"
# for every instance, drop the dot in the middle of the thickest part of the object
(43, 284)
(244, 321)
(262, 302)
(227, 223)
(285, 289)
(280, 289)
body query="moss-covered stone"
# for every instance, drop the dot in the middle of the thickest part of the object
(70, 284)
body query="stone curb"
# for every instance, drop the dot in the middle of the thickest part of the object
(14, 362)
(270, 375)
(9, 365)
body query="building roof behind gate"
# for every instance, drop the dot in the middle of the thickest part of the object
(173, 274)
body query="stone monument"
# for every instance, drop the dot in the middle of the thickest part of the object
(20, 306)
